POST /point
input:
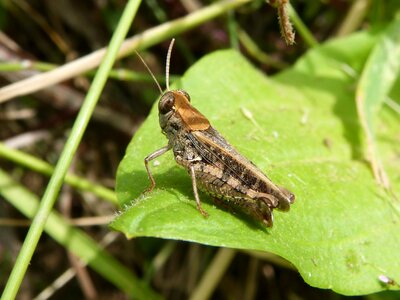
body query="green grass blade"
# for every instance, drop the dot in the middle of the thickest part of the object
(74, 240)
(71, 145)
(44, 168)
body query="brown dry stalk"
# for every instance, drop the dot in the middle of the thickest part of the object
(284, 20)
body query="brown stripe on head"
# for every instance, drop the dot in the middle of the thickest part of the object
(190, 116)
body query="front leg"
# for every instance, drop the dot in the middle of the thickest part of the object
(150, 157)
(195, 192)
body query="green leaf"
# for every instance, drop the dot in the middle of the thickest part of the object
(376, 81)
(342, 231)
(380, 72)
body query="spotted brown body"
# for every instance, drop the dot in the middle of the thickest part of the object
(213, 164)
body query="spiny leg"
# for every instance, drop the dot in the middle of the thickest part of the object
(195, 192)
(150, 157)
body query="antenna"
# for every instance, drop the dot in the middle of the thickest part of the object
(151, 73)
(167, 64)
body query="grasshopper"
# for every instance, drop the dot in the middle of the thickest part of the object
(214, 166)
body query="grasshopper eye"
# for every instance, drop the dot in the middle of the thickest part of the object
(166, 103)
(184, 93)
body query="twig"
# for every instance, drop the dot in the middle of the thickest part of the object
(140, 41)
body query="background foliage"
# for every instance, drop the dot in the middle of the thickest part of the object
(300, 125)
